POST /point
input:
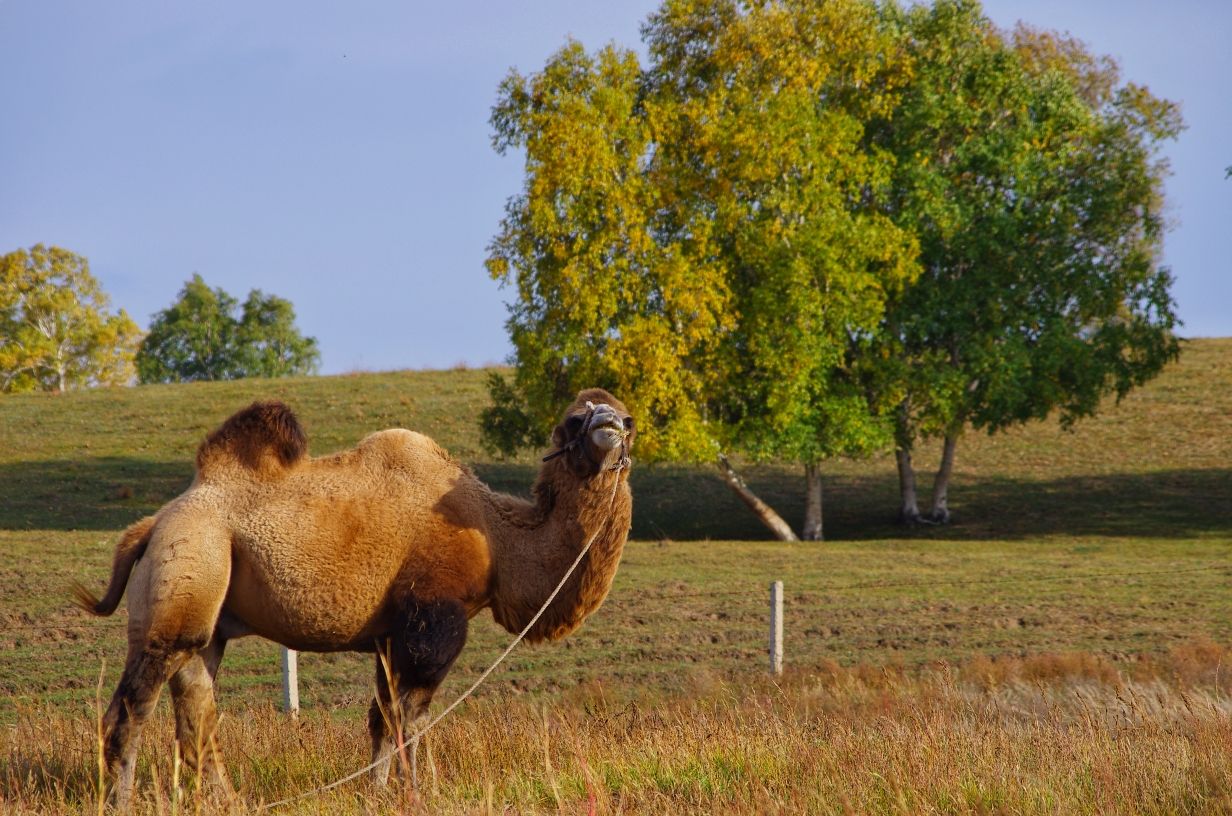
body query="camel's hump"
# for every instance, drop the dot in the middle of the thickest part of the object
(252, 436)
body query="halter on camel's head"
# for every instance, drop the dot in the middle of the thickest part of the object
(596, 433)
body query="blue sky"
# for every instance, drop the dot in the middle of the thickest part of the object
(339, 155)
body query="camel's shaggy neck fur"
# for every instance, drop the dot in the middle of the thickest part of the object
(533, 543)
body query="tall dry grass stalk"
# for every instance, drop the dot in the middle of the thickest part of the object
(1052, 734)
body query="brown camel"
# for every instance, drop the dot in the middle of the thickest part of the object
(389, 548)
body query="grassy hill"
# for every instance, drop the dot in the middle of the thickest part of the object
(1145, 487)
(1156, 463)
(1110, 542)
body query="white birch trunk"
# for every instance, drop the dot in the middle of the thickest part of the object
(781, 529)
(940, 510)
(909, 507)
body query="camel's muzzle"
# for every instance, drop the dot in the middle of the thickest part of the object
(605, 429)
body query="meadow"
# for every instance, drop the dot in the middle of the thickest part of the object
(1060, 648)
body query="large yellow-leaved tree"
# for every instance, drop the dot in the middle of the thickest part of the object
(700, 234)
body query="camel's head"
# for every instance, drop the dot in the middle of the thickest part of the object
(596, 433)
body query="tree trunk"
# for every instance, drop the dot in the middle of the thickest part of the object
(909, 508)
(940, 512)
(782, 531)
(904, 437)
(812, 503)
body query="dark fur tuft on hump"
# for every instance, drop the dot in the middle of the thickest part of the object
(260, 428)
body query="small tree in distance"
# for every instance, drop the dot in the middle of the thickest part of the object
(56, 329)
(200, 337)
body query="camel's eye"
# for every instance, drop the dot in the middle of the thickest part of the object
(628, 423)
(573, 424)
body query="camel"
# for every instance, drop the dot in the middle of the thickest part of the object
(388, 548)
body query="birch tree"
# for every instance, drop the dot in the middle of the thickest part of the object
(699, 234)
(56, 328)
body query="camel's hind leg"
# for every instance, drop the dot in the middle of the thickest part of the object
(416, 658)
(145, 672)
(196, 716)
(175, 594)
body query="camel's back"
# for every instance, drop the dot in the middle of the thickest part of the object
(264, 446)
(394, 462)
(389, 480)
(258, 457)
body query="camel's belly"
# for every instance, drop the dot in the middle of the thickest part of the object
(321, 584)
(307, 614)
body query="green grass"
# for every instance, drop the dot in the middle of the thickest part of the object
(1110, 541)
(1064, 540)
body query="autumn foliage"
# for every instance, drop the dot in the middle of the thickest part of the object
(57, 330)
(806, 230)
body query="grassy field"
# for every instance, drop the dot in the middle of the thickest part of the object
(1053, 651)
(1044, 735)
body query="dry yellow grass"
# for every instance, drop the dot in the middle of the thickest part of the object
(1050, 734)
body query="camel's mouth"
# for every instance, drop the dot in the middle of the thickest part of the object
(607, 437)
(606, 431)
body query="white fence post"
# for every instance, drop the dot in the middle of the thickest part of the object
(290, 681)
(776, 627)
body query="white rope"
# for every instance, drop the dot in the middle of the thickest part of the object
(475, 685)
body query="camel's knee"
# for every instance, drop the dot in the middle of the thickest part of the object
(135, 696)
(382, 742)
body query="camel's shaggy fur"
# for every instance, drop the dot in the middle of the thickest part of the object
(390, 547)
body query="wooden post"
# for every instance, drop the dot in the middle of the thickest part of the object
(776, 627)
(290, 681)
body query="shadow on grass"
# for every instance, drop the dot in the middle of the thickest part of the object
(1168, 503)
(683, 503)
(105, 493)
(692, 503)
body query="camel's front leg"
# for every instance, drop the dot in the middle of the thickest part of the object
(417, 656)
(383, 720)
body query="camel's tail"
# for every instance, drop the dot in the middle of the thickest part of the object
(131, 546)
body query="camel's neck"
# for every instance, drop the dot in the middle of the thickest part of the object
(534, 545)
